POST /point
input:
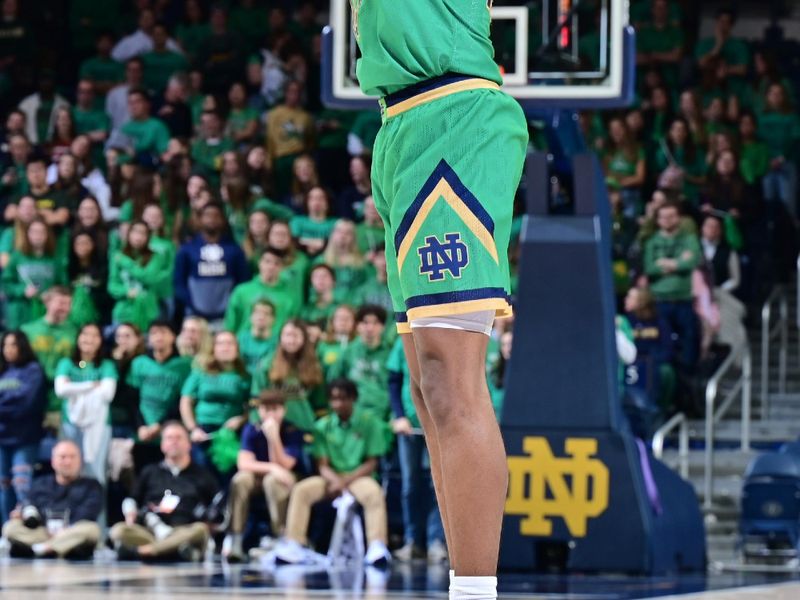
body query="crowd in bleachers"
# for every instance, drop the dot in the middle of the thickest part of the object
(194, 283)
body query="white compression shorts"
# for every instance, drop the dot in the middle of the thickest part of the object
(479, 322)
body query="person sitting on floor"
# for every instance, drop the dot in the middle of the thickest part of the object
(269, 462)
(60, 517)
(348, 444)
(161, 519)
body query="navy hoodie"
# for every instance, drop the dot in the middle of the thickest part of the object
(22, 404)
(205, 275)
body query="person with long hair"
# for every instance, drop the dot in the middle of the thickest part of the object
(128, 344)
(304, 179)
(342, 255)
(86, 383)
(313, 228)
(194, 340)
(30, 272)
(257, 171)
(88, 276)
(322, 300)
(134, 276)
(295, 370)
(690, 108)
(63, 134)
(141, 193)
(238, 198)
(68, 179)
(256, 237)
(624, 163)
(175, 193)
(23, 400)
(339, 333)
(89, 219)
(687, 162)
(754, 153)
(13, 237)
(215, 396)
(243, 122)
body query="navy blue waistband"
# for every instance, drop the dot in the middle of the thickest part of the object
(424, 86)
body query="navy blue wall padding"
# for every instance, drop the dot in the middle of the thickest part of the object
(563, 384)
(792, 448)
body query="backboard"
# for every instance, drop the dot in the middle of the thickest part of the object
(561, 54)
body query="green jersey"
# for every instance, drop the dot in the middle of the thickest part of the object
(89, 372)
(87, 121)
(22, 271)
(150, 135)
(346, 445)
(217, 397)
(298, 397)
(244, 296)
(329, 354)
(426, 39)
(159, 385)
(160, 66)
(304, 227)
(253, 349)
(51, 343)
(367, 368)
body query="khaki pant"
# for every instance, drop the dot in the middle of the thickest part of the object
(65, 541)
(308, 492)
(134, 536)
(244, 485)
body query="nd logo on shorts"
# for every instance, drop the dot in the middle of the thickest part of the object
(436, 257)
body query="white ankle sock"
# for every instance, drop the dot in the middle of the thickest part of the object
(473, 588)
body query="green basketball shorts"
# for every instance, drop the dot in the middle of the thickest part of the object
(446, 166)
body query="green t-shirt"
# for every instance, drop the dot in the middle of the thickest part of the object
(245, 295)
(346, 445)
(102, 69)
(90, 372)
(192, 37)
(315, 312)
(734, 52)
(397, 363)
(253, 350)
(217, 397)
(22, 270)
(367, 368)
(425, 40)
(208, 153)
(299, 411)
(754, 162)
(780, 132)
(295, 273)
(329, 354)
(620, 166)
(87, 121)
(160, 66)
(303, 226)
(150, 135)
(51, 343)
(159, 385)
(240, 118)
(369, 237)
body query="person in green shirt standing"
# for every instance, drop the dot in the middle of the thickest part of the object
(779, 127)
(322, 300)
(670, 257)
(135, 273)
(158, 376)
(30, 272)
(214, 397)
(148, 134)
(258, 341)
(370, 233)
(89, 120)
(364, 361)
(207, 151)
(295, 370)
(624, 164)
(161, 63)
(266, 285)
(348, 444)
(313, 229)
(337, 336)
(660, 43)
(86, 383)
(243, 120)
(102, 70)
(52, 338)
(422, 523)
(727, 56)
(754, 159)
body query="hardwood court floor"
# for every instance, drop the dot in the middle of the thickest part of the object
(56, 580)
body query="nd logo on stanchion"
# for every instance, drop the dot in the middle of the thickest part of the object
(542, 487)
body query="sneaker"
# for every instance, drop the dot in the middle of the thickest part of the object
(437, 552)
(268, 542)
(17, 550)
(232, 548)
(289, 552)
(408, 553)
(127, 553)
(189, 553)
(377, 555)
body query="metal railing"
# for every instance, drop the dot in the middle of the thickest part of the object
(769, 332)
(743, 384)
(682, 423)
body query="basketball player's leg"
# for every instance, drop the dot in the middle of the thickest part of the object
(431, 440)
(473, 471)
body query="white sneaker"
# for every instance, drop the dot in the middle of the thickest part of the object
(289, 552)
(267, 542)
(377, 554)
(437, 552)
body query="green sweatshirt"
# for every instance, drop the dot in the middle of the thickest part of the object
(159, 385)
(780, 132)
(367, 368)
(754, 162)
(51, 343)
(682, 247)
(23, 270)
(245, 295)
(253, 350)
(299, 411)
(166, 249)
(127, 274)
(217, 397)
